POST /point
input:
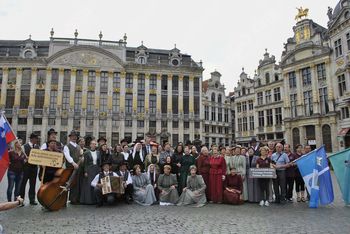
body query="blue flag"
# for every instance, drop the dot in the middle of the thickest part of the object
(341, 165)
(314, 169)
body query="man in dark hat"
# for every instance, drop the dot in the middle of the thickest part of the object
(255, 145)
(30, 171)
(52, 135)
(123, 172)
(101, 141)
(96, 183)
(71, 152)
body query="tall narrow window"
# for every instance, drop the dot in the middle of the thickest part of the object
(152, 104)
(324, 100)
(77, 100)
(277, 94)
(292, 80)
(115, 102)
(129, 80)
(260, 98)
(65, 100)
(306, 75)
(321, 71)
(261, 119)
(153, 81)
(269, 117)
(341, 85)
(103, 102)
(268, 96)
(308, 103)
(91, 78)
(39, 99)
(338, 48)
(128, 103)
(293, 105)
(278, 116)
(90, 101)
(53, 99)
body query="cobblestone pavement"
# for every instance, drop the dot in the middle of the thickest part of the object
(122, 218)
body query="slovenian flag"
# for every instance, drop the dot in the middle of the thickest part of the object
(315, 171)
(6, 136)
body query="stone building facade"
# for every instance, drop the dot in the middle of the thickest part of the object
(100, 88)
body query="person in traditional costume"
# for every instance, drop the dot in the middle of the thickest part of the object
(216, 175)
(71, 153)
(153, 174)
(165, 153)
(117, 158)
(49, 171)
(167, 185)
(252, 183)
(194, 192)
(239, 162)
(104, 152)
(203, 166)
(228, 159)
(194, 152)
(233, 186)
(92, 162)
(169, 162)
(127, 181)
(136, 157)
(110, 198)
(143, 189)
(153, 156)
(186, 161)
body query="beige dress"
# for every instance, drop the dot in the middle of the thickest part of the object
(164, 184)
(195, 192)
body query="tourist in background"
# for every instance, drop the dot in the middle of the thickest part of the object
(15, 170)
(264, 183)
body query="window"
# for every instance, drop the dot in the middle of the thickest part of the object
(91, 78)
(261, 119)
(175, 124)
(12, 76)
(53, 99)
(37, 121)
(197, 105)
(52, 121)
(175, 83)
(116, 80)
(306, 76)
(277, 94)
(213, 113)
(128, 103)
(153, 82)
(239, 107)
(206, 128)
(267, 78)
(321, 71)
(240, 124)
(268, 96)
(39, 99)
(22, 121)
(152, 104)
(324, 100)
(115, 138)
(140, 103)
(76, 123)
(251, 122)
(65, 100)
(213, 97)
(341, 85)
(276, 77)
(220, 130)
(338, 48)
(10, 99)
(79, 78)
(251, 104)
(226, 116)
(141, 84)
(278, 116)
(293, 105)
(220, 114)
(140, 123)
(308, 103)
(164, 104)
(186, 83)
(26, 78)
(152, 124)
(54, 76)
(186, 104)
(66, 80)
(186, 125)
(103, 102)
(129, 80)
(116, 102)
(206, 112)
(244, 106)
(269, 117)
(164, 82)
(219, 98)
(348, 40)
(197, 125)
(24, 103)
(64, 121)
(345, 113)
(175, 101)
(245, 124)
(41, 77)
(90, 101)
(260, 98)
(77, 101)
(104, 81)
(128, 123)
(292, 80)
(196, 84)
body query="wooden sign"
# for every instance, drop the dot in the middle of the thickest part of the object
(45, 158)
(112, 184)
(262, 173)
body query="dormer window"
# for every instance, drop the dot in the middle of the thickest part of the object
(213, 97)
(216, 85)
(141, 60)
(175, 62)
(276, 77)
(219, 98)
(267, 78)
(28, 54)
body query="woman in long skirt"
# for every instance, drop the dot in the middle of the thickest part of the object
(253, 183)
(92, 160)
(143, 189)
(217, 174)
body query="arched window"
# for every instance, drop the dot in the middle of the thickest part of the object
(296, 136)
(327, 137)
(213, 97)
(267, 78)
(259, 82)
(219, 98)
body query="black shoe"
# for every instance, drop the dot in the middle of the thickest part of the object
(33, 203)
(99, 204)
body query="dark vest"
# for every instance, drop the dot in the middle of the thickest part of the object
(27, 150)
(74, 153)
(126, 175)
(102, 175)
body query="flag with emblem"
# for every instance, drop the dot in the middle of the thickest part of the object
(6, 136)
(315, 171)
(341, 165)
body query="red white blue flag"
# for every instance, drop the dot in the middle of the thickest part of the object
(6, 136)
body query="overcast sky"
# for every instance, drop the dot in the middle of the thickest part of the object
(225, 34)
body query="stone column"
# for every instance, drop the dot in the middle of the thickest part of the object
(181, 109)
(73, 77)
(31, 101)
(122, 105)
(5, 73)
(84, 103)
(44, 126)
(330, 88)
(318, 135)
(170, 105)
(17, 98)
(191, 107)
(109, 106)
(147, 93)
(159, 103)
(59, 102)
(134, 105)
(315, 95)
(96, 127)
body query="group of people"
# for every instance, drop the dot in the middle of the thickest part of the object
(158, 173)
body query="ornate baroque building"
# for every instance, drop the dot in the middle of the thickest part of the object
(217, 112)
(100, 88)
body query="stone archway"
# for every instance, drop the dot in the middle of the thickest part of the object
(327, 137)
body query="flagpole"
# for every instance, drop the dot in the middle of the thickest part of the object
(3, 115)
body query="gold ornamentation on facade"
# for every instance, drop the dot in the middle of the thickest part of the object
(85, 72)
(34, 69)
(73, 70)
(110, 74)
(159, 76)
(103, 114)
(170, 77)
(302, 13)
(191, 78)
(152, 91)
(181, 77)
(61, 70)
(5, 69)
(40, 86)
(23, 112)
(147, 75)
(78, 88)
(91, 88)
(117, 90)
(98, 72)
(18, 69)
(122, 74)
(128, 90)
(11, 86)
(48, 69)
(54, 87)
(340, 62)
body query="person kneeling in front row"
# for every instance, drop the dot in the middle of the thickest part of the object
(96, 183)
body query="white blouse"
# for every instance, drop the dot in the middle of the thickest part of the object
(94, 157)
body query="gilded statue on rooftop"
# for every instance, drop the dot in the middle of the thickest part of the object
(301, 13)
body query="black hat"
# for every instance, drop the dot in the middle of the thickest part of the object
(253, 140)
(124, 140)
(124, 162)
(51, 131)
(33, 136)
(73, 133)
(106, 162)
(102, 138)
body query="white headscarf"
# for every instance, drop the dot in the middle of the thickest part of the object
(140, 152)
(149, 172)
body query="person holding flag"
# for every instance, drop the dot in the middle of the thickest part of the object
(315, 171)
